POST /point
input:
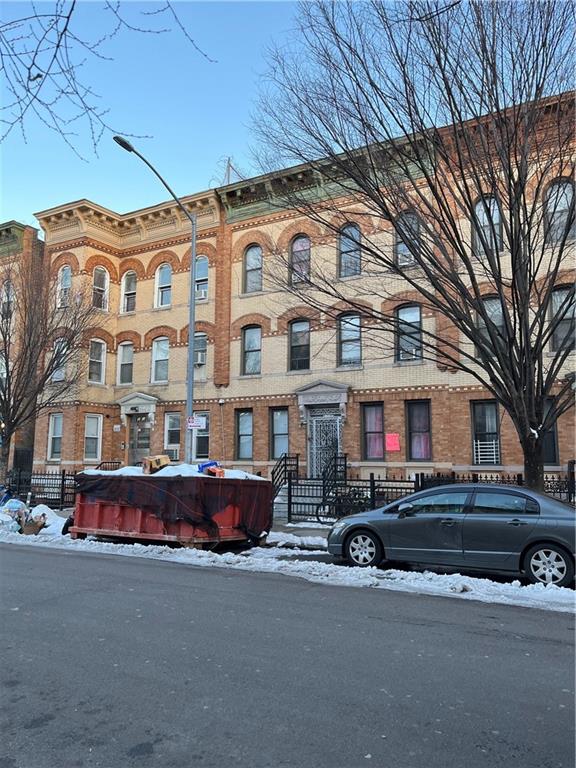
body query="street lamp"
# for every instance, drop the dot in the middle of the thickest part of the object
(192, 304)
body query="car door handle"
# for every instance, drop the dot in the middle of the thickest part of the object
(448, 521)
(516, 522)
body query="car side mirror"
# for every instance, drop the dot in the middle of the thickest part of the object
(405, 510)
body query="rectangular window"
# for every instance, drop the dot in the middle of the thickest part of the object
(299, 345)
(160, 356)
(200, 349)
(419, 433)
(251, 350)
(349, 340)
(408, 333)
(55, 436)
(97, 362)
(125, 363)
(550, 447)
(92, 437)
(563, 306)
(201, 437)
(100, 288)
(129, 304)
(486, 434)
(278, 432)
(172, 435)
(60, 351)
(244, 434)
(372, 431)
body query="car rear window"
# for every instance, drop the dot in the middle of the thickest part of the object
(505, 503)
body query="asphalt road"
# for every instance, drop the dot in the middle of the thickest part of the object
(120, 662)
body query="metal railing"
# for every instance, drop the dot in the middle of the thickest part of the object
(286, 466)
(55, 489)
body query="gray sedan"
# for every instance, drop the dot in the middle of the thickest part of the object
(495, 528)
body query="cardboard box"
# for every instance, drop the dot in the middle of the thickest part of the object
(152, 464)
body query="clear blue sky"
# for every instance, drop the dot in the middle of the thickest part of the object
(195, 113)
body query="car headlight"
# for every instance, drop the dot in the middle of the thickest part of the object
(338, 526)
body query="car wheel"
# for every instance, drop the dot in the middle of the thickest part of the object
(363, 549)
(548, 564)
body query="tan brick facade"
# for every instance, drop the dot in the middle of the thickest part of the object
(84, 236)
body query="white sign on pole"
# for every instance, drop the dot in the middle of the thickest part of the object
(196, 422)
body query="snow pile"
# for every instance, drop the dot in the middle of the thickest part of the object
(173, 470)
(290, 539)
(8, 524)
(279, 560)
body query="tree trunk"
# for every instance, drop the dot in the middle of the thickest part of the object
(4, 456)
(533, 464)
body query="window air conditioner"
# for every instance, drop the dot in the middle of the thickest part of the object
(199, 358)
(202, 293)
(173, 453)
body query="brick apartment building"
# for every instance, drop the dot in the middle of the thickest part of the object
(271, 374)
(21, 258)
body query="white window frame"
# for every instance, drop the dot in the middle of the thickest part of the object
(155, 359)
(64, 290)
(121, 347)
(172, 449)
(97, 417)
(123, 310)
(59, 374)
(102, 361)
(201, 290)
(105, 291)
(160, 287)
(196, 433)
(52, 435)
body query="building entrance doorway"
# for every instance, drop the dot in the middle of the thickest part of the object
(138, 438)
(324, 438)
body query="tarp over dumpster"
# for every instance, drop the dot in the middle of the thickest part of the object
(194, 499)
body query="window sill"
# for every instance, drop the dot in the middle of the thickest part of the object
(355, 367)
(161, 309)
(128, 313)
(125, 384)
(201, 301)
(159, 383)
(408, 363)
(100, 384)
(301, 370)
(250, 294)
(250, 376)
(92, 461)
(347, 278)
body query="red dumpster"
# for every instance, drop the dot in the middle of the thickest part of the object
(192, 510)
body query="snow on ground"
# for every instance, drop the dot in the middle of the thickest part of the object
(279, 560)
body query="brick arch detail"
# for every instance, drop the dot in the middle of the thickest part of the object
(308, 228)
(256, 237)
(64, 259)
(99, 333)
(98, 260)
(161, 330)
(368, 224)
(202, 249)
(132, 336)
(201, 327)
(162, 257)
(132, 265)
(296, 313)
(254, 318)
(400, 299)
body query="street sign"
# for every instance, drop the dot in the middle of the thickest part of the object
(196, 422)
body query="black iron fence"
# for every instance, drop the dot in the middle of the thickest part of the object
(55, 489)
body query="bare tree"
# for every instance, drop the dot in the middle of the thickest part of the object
(43, 52)
(448, 126)
(43, 331)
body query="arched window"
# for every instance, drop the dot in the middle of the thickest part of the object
(160, 359)
(125, 362)
(408, 333)
(562, 314)
(100, 286)
(252, 280)
(299, 332)
(300, 259)
(97, 362)
(163, 293)
(129, 291)
(559, 211)
(487, 228)
(201, 277)
(349, 340)
(251, 350)
(407, 239)
(349, 252)
(200, 349)
(64, 285)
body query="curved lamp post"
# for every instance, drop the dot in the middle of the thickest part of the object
(192, 307)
